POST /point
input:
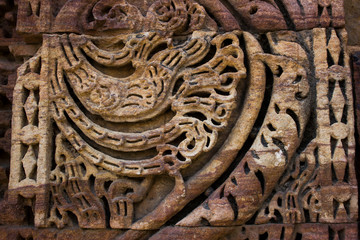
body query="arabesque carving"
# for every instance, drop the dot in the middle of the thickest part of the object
(172, 119)
(193, 86)
(177, 16)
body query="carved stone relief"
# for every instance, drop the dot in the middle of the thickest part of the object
(180, 119)
(177, 17)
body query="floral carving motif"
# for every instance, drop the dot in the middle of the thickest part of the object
(136, 108)
(167, 16)
(142, 115)
(111, 14)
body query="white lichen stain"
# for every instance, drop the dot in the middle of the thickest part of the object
(278, 159)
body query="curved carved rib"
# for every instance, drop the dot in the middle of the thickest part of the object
(199, 182)
(203, 79)
(270, 153)
(140, 96)
(217, 79)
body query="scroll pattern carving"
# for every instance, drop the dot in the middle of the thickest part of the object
(79, 189)
(166, 16)
(146, 114)
(178, 16)
(98, 166)
(201, 99)
(146, 93)
(305, 199)
(235, 201)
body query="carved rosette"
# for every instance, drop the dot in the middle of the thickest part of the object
(165, 119)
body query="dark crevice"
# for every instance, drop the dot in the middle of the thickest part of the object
(239, 18)
(298, 236)
(341, 234)
(307, 215)
(264, 42)
(65, 54)
(279, 201)
(332, 116)
(233, 205)
(333, 174)
(320, 10)
(277, 109)
(186, 210)
(336, 205)
(302, 11)
(263, 141)
(246, 168)
(92, 184)
(116, 71)
(333, 144)
(254, 155)
(211, 53)
(289, 23)
(282, 236)
(347, 207)
(160, 47)
(71, 48)
(233, 180)
(107, 212)
(341, 58)
(345, 143)
(281, 145)
(205, 222)
(252, 219)
(222, 191)
(296, 120)
(342, 85)
(139, 155)
(221, 92)
(329, 58)
(331, 233)
(328, 33)
(197, 115)
(331, 89)
(264, 236)
(29, 215)
(280, 71)
(261, 180)
(257, 125)
(346, 175)
(73, 218)
(179, 82)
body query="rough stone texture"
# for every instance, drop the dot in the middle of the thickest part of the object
(352, 17)
(164, 120)
(40, 16)
(251, 232)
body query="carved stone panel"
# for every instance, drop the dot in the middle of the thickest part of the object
(175, 16)
(184, 119)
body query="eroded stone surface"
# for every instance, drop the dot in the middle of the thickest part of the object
(352, 18)
(180, 119)
(178, 17)
(191, 89)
